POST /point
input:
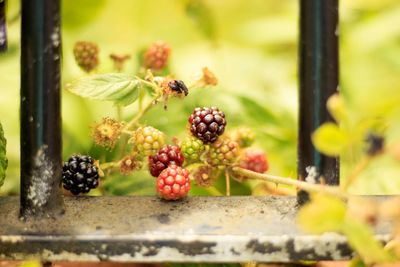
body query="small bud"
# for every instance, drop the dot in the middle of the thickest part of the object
(119, 61)
(209, 77)
(336, 107)
(375, 144)
(107, 132)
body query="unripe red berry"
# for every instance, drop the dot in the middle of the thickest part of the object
(173, 183)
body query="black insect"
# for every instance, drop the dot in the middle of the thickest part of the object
(178, 86)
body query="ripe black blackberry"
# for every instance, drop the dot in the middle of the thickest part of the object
(80, 174)
(166, 156)
(207, 124)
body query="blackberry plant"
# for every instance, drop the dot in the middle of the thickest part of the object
(205, 153)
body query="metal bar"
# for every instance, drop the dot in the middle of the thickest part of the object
(40, 109)
(3, 27)
(319, 79)
(147, 229)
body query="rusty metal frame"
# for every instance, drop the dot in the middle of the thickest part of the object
(41, 224)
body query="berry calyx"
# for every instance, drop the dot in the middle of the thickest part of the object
(254, 160)
(203, 176)
(156, 56)
(223, 152)
(166, 156)
(86, 55)
(148, 140)
(129, 164)
(107, 132)
(192, 149)
(207, 124)
(80, 175)
(173, 183)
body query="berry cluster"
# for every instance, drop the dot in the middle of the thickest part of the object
(206, 151)
(80, 174)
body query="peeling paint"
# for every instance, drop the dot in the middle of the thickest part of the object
(11, 239)
(41, 177)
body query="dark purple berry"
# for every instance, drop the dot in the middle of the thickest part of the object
(207, 124)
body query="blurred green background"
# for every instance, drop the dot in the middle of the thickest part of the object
(252, 48)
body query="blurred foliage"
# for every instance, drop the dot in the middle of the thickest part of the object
(252, 48)
(329, 214)
(3, 157)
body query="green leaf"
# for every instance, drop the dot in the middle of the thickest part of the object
(361, 238)
(329, 139)
(328, 214)
(3, 158)
(119, 88)
(322, 214)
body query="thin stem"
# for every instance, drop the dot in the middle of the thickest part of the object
(362, 165)
(228, 183)
(127, 132)
(332, 190)
(136, 119)
(108, 165)
(119, 113)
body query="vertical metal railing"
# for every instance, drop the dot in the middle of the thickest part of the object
(40, 109)
(3, 28)
(318, 79)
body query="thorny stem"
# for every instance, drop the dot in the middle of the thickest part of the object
(331, 190)
(228, 183)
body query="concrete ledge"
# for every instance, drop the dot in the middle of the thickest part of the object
(146, 229)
